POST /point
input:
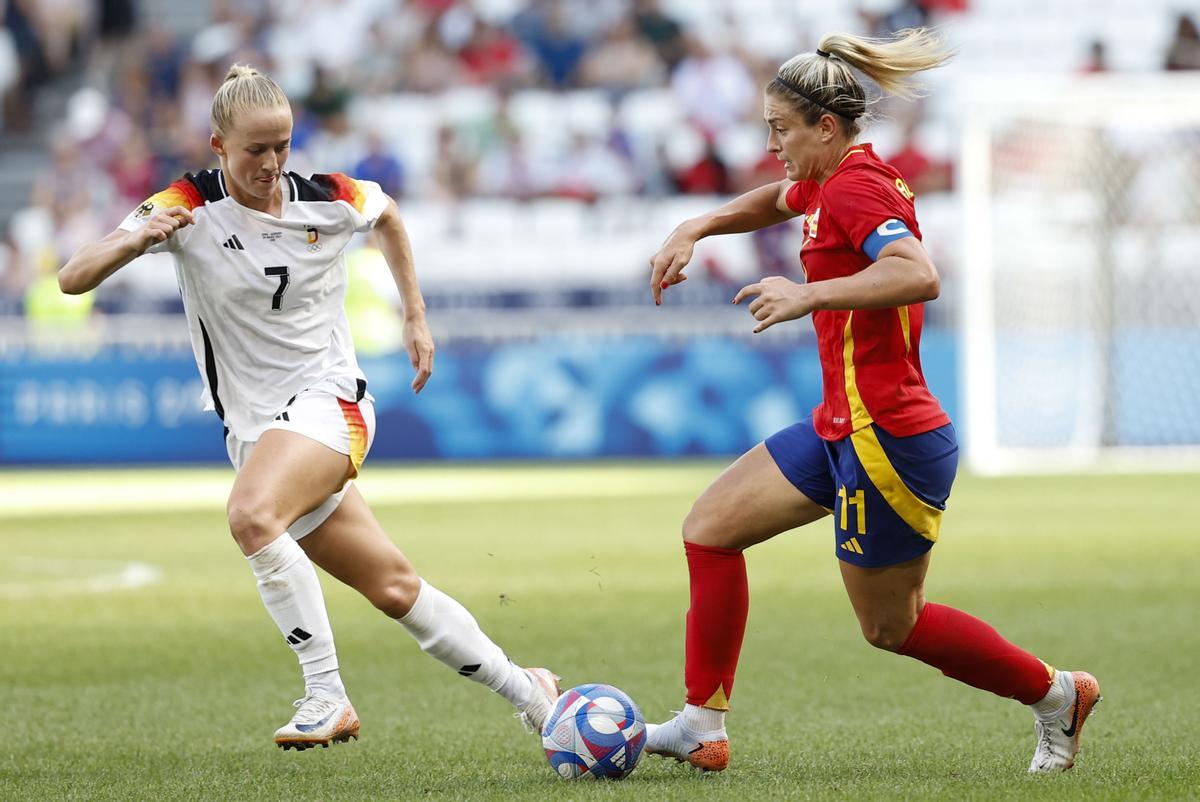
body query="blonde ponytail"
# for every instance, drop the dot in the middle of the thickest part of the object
(244, 89)
(890, 63)
(823, 82)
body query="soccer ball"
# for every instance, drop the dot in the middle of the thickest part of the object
(595, 731)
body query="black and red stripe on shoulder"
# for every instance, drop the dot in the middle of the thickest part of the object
(329, 188)
(191, 191)
(178, 193)
(209, 184)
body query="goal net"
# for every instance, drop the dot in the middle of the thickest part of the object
(1081, 309)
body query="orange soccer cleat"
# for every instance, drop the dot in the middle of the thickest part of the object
(706, 751)
(1058, 735)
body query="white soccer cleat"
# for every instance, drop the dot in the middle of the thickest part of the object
(1058, 737)
(706, 751)
(533, 714)
(319, 721)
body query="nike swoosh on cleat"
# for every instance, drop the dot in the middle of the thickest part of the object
(1074, 721)
(321, 723)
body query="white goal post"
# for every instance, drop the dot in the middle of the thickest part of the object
(1080, 314)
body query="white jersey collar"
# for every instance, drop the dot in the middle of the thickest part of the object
(292, 193)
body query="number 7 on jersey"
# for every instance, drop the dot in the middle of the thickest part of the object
(277, 298)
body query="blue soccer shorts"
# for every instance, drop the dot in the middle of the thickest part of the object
(886, 493)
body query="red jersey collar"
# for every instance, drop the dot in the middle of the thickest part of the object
(855, 154)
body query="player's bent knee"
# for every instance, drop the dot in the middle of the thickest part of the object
(395, 595)
(705, 526)
(886, 635)
(253, 525)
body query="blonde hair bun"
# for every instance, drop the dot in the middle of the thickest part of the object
(244, 89)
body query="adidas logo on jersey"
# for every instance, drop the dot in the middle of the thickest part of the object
(234, 244)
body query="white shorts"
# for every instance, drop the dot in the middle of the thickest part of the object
(347, 427)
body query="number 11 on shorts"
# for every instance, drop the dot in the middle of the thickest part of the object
(859, 501)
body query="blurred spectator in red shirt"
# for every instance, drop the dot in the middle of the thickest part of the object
(945, 6)
(922, 172)
(494, 57)
(708, 176)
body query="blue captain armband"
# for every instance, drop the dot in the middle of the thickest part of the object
(888, 231)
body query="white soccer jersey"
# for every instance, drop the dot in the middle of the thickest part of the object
(264, 296)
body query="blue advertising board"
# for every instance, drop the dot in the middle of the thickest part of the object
(562, 397)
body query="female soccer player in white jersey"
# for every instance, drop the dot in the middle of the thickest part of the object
(259, 259)
(879, 452)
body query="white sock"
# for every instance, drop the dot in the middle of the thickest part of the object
(447, 632)
(518, 688)
(292, 595)
(1056, 700)
(702, 720)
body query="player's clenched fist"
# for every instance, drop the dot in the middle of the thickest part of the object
(163, 226)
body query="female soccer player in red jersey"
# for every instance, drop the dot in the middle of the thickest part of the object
(878, 452)
(259, 259)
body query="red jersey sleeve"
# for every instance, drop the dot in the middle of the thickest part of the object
(863, 201)
(799, 195)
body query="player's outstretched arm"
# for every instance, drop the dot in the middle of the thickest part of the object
(902, 275)
(92, 264)
(758, 208)
(393, 241)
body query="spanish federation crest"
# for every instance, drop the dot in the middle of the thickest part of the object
(810, 224)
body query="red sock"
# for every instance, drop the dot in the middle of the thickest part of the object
(971, 651)
(716, 622)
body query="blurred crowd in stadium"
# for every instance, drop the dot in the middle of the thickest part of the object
(434, 99)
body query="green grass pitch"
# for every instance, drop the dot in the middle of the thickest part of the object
(171, 690)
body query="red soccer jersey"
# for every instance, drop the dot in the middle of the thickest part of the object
(870, 358)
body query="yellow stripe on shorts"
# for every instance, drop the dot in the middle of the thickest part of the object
(925, 519)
